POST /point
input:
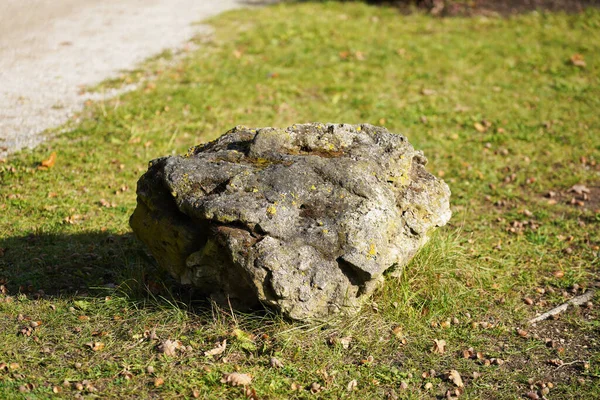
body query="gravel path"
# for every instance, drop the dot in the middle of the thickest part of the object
(49, 49)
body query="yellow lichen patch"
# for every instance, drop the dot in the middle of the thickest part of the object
(272, 210)
(372, 250)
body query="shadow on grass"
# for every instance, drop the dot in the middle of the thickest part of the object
(94, 264)
(448, 8)
(82, 264)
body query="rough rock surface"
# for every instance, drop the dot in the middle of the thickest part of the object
(304, 219)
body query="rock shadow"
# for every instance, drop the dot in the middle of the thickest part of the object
(83, 264)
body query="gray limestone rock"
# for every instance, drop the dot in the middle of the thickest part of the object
(304, 219)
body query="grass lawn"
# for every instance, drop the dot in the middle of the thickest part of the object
(507, 112)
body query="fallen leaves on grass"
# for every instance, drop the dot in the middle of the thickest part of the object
(220, 348)
(454, 377)
(528, 300)
(95, 346)
(72, 219)
(236, 379)
(343, 341)
(251, 393)
(367, 361)
(315, 388)
(558, 274)
(352, 385)
(577, 60)
(151, 335)
(439, 346)
(49, 162)
(105, 203)
(522, 333)
(275, 363)
(480, 127)
(26, 388)
(579, 189)
(169, 347)
(399, 334)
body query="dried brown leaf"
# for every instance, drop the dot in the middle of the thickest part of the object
(479, 127)
(439, 346)
(169, 347)
(220, 348)
(345, 341)
(275, 363)
(352, 385)
(251, 393)
(236, 379)
(95, 346)
(522, 333)
(49, 163)
(454, 376)
(577, 60)
(579, 189)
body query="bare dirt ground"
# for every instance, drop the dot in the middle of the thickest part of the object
(50, 49)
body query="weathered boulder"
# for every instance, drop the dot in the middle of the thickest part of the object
(304, 219)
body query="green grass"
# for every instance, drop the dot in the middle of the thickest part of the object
(497, 107)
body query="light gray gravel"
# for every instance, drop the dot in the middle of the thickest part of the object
(50, 49)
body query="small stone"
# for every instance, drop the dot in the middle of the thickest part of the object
(150, 369)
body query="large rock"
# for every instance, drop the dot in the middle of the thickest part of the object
(304, 219)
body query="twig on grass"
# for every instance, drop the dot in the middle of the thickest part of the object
(570, 363)
(576, 301)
